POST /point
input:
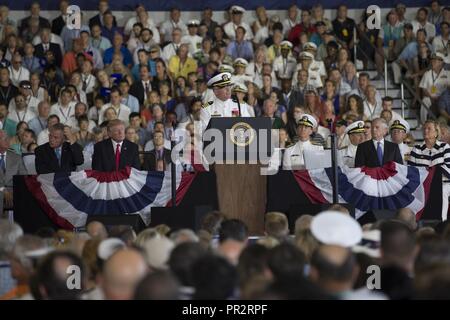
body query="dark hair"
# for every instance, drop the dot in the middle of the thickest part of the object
(53, 116)
(83, 118)
(133, 115)
(233, 229)
(214, 278)
(397, 240)
(329, 270)
(51, 280)
(252, 261)
(242, 28)
(182, 259)
(286, 261)
(159, 285)
(387, 98)
(423, 9)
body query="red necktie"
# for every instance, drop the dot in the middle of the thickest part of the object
(117, 156)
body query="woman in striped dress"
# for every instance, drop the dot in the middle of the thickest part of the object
(433, 152)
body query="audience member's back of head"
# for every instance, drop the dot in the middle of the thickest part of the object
(212, 221)
(303, 223)
(233, 229)
(96, 229)
(159, 285)
(52, 280)
(276, 225)
(253, 261)
(182, 259)
(124, 233)
(397, 244)
(214, 278)
(9, 233)
(286, 261)
(408, 217)
(333, 264)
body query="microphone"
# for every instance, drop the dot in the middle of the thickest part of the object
(235, 99)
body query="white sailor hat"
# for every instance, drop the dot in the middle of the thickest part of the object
(226, 68)
(438, 56)
(310, 46)
(400, 124)
(193, 23)
(108, 247)
(286, 45)
(355, 127)
(336, 228)
(220, 80)
(307, 120)
(306, 56)
(237, 9)
(240, 87)
(240, 62)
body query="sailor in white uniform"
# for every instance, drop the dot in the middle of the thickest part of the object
(399, 130)
(240, 91)
(293, 157)
(221, 105)
(355, 133)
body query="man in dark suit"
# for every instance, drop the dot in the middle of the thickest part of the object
(35, 14)
(140, 89)
(61, 153)
(46, 45)
(103, 6)
(59, 22)
(378, 151)
(115, 153)
(11, 164)
(159, 158)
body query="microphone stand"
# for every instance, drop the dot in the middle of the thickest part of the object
(334, 167)
(173, 172)
(236, 99)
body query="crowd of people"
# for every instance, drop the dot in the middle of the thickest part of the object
(329, 256)
(67, 94)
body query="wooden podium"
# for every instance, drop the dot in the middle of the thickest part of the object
(241, 188)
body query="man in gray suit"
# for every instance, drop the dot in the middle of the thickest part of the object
(11, 164)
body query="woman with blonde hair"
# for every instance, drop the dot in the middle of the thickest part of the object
(433, 153)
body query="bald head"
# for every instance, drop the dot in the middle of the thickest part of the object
(97, 230)
(122, 273)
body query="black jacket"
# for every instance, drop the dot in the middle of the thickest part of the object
(53, 47)
(104, 158)
(57, 25)
(150, 160)
(95, 20)
(366, 154)
(47, 162)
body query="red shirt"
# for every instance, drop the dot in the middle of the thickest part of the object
(297, 30)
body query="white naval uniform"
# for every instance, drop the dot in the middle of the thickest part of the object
(195, 42)
(293, 157)
(346, 156)
(216, 108)
(285, 67)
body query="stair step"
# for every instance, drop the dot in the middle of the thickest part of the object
(413, 123)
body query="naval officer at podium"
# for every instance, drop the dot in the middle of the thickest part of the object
(221, 105)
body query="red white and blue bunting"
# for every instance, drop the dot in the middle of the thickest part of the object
(68, 198)
(392, 187)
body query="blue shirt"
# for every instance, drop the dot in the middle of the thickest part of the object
(37, 125)
(411, 51)
(444, 101)
(242, 50)
(135, 70)
(131, 102)
(32, 64)
(109, 33)
(127, 58)
(316, 39)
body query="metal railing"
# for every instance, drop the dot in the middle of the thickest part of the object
(403, 83)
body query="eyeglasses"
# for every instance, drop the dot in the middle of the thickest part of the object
(15, 62)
